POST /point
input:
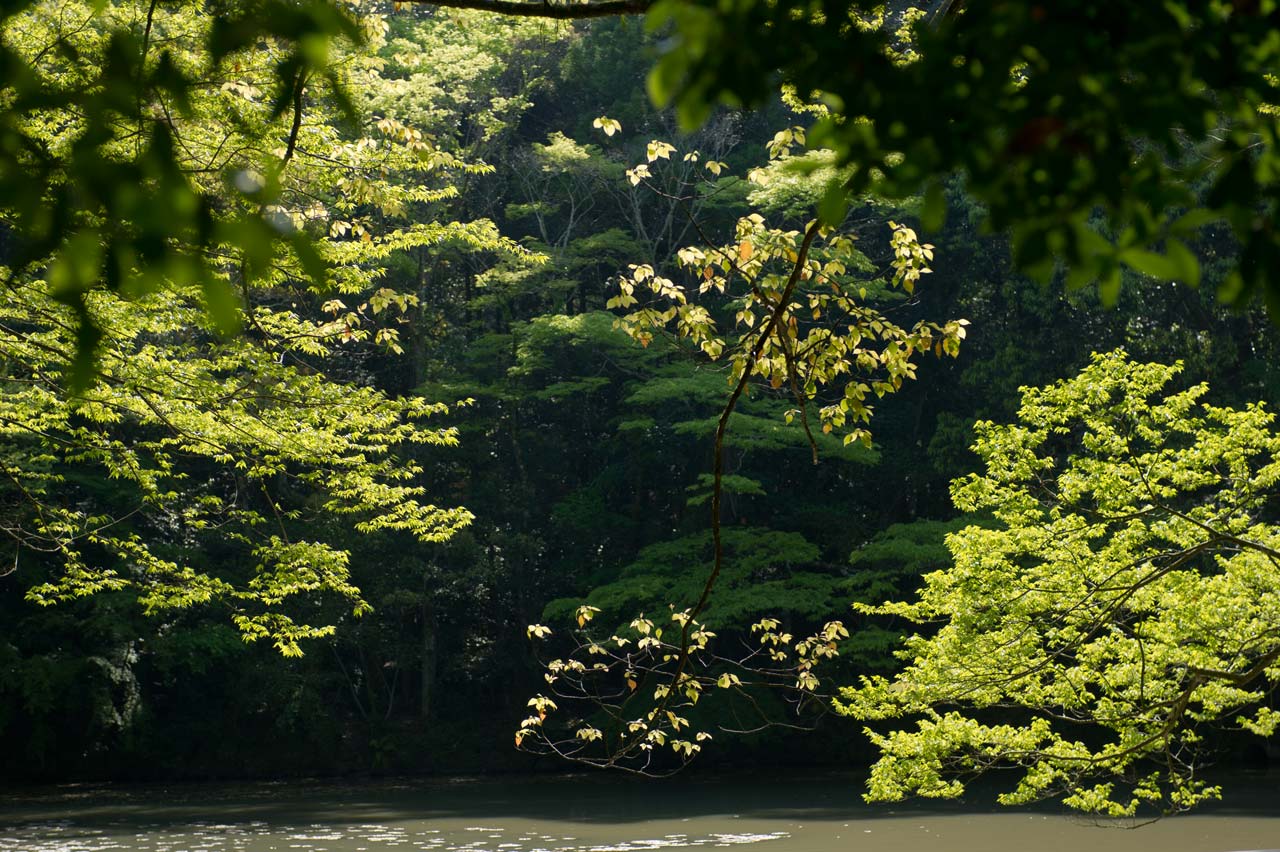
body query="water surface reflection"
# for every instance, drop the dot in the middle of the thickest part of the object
(589, 814)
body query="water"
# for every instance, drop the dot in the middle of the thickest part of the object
(593, 813)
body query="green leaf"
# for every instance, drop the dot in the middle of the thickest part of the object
(834, 204)
(1109, 286)
(222, 304)
(933, 212)
(310, 258)
(1153, 264)
(1185, 263)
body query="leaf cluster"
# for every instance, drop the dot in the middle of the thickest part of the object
(1118, 610)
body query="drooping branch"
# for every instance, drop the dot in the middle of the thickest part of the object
(722, 428)
(545, 9)
(722, 424)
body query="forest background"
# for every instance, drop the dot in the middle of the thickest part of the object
(480, 217)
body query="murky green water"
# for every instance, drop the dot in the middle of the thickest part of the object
(587, 814)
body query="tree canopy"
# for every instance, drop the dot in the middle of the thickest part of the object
(1121, 608)
(432, 316)
(239, 439)
(1102, 135)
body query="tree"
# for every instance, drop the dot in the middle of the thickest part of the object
(1103, 135)
(315, 387)
(788, 309)
(229, 453)
(1124, 163)
(100, 191)
(1121, 608)
(585, 458)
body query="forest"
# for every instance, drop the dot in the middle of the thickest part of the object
(384, 380)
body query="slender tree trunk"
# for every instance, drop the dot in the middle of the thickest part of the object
(430, 652)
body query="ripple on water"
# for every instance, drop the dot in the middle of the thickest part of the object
(251, 836)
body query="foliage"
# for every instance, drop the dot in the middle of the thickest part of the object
(889, 565)
(469, 207)
(248, 441)
(97, 177)
(214, 438)
(1121, 606)
(1169, 126)
(1119, 164)
(647, 688)
(768, 573)
(771, 278)
(805, 321)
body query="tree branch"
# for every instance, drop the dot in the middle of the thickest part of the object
(722, 426)
(546, 9)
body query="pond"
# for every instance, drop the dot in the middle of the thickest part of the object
(590, 813)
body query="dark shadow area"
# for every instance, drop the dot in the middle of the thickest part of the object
(577, 798)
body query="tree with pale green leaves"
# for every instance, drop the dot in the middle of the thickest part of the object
(1121, 609)
(249, 445)
(787, 312)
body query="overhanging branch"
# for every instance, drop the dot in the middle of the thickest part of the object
(546, 9)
